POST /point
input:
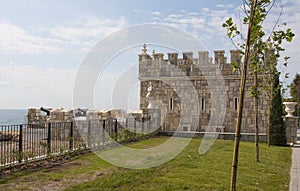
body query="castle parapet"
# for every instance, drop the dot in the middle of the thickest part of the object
(158, 56)
(155, 66)
(219, 57)
(173, 57)
(235, 56)
(203, 57)
(187, 55)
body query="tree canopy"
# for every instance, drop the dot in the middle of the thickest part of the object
(295, 88)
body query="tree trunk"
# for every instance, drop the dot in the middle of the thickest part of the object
(269, 110)
(241, 100)
(256, 118)
(269, 124)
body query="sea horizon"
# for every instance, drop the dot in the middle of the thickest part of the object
(13, 116)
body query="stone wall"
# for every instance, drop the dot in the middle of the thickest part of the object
(35, 115)
(213, 80)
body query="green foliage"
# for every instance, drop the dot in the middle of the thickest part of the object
(295, 93)
(254, 92)
(295, 88)
(261, 56)
(265, 49)
(277, 129)
(264, 54)
(235, 66)
(231, 28)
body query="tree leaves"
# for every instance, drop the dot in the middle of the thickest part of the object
(260, 61)
(232, 29)
(295, 88)
(235, 66)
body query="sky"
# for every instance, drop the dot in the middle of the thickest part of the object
(43, 43)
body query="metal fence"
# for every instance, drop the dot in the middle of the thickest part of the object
(29, 142)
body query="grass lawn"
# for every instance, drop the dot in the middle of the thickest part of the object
(188, 171)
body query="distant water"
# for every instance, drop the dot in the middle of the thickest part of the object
(12, 116)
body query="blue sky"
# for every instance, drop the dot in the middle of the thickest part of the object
(42, 43)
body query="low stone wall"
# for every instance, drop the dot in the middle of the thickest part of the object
(34, 115)
(226, 136)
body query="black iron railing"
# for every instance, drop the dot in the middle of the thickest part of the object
(29, 142)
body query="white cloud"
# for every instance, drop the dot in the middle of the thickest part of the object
(205, 9)
(155, 13)
(225, 6)
(14, 39)
(37, 84)
(27, 86)
(59, 39)
(89, 28)
(206, 26)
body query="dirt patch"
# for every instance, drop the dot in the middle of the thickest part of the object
(39, 178)
(58, 167)
(38, 184)
(57, 185)
(43, 163)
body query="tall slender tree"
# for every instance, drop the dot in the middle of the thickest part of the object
(295, 88)
(277, 129)
(295, 93)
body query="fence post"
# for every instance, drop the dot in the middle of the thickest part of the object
(134, 126)
(149, 121)
(89, 134)
(143, 121)
(20, 143)
(103, 131)
(116, 129)
(126, 127)
(71, 136)
(49, 139)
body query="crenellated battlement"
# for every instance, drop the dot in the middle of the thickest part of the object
(155, 65)
(202, 59)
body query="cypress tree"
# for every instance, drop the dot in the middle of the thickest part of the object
(277, 128)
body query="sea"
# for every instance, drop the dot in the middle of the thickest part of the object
(12, 117)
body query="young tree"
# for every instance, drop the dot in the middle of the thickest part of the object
(254, 50)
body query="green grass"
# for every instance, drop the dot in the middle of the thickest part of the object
(188, 171)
